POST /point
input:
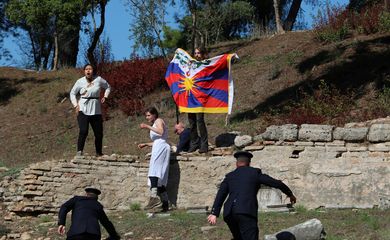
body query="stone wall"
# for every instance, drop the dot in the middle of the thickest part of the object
(324, 166)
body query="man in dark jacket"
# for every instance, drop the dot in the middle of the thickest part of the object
(87, 212)
(241, 207)
(184, 138)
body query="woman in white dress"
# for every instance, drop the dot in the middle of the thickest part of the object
(159, 161)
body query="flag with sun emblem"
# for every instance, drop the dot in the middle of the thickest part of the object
(201, 86)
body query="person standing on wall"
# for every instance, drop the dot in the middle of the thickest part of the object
(196, 120)
(159, 160)
(241, 207)
(88, 107)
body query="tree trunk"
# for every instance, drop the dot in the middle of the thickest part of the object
(37, 62)
(97, 33)
(191, 4)
(292, 15)
(279, 27)
(47, 54)
(55, 58)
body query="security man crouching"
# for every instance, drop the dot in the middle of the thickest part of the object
(241, 207)
(87, 212)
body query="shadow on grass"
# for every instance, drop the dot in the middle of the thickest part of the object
(364, 67)
(7, 90)
(9, 87)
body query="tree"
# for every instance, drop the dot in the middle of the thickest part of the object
(96, 31)
(147, 26)
(53, 27)
(219, 21)
(279, 27)
(292, 15)
(36, 18)
(4, 27)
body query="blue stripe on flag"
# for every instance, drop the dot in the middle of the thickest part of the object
(215, 93)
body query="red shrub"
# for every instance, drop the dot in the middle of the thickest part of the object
(369, 18)
(131, 81)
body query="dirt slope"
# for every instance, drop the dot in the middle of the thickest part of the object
(37, 122)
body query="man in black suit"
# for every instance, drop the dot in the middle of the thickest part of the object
(240, 209)
(87, 212)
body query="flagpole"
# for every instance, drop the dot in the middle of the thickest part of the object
(227, 120)
(177, 115)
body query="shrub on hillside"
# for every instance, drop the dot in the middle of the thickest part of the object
(335, 23)
(323, 105)
(331, 25)
(384, 22)
(131, 81)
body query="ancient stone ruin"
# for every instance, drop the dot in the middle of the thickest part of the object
(325, 167)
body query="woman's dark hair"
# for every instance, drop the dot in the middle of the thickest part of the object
(152, 110)
(88, 64)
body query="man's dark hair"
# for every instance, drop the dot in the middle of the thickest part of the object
(152, 110)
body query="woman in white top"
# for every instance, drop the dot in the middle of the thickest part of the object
(159, 161)
(88, 107)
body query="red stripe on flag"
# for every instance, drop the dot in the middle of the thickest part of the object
(215, 84)
(172, 78)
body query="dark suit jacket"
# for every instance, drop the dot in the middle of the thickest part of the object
(184, 141)
(86, 214)
(242, 186)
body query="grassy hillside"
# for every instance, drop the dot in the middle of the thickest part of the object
(288, 78)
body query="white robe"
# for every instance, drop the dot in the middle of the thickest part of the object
(159, 161)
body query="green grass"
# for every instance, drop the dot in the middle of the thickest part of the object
(338, 224)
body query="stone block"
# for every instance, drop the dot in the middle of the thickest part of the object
(41, 166)
(32, 193)
(384, 202)
(335, 149)
(254, 148)
(242, 141)
(309, 230)
(33, 182)
(197, 158)
(45, 179)
(81, 161)
(379, 133)
(378, 147)
(299, 143)
(336, 143)
(354, 147)
(36, 172)
(30, 177)
(350, 134)
(287, 132)
(315, 133)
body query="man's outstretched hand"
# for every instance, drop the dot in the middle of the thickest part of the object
(212, 219)
(293, 199)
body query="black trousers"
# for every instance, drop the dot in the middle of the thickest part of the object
(196, 121)
(243, 226)
(84, 236)
(96, 122)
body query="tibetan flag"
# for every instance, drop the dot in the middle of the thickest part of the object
(201, 86)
